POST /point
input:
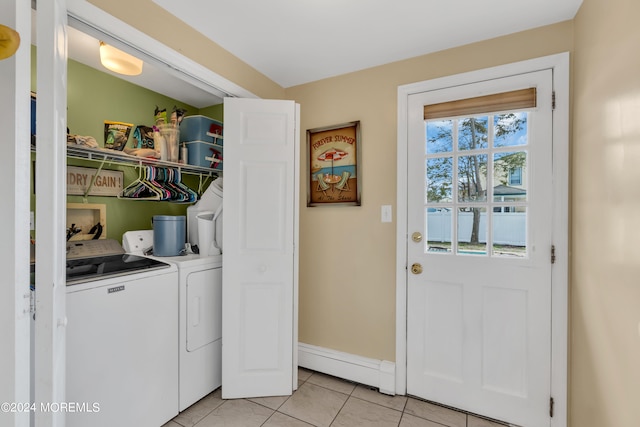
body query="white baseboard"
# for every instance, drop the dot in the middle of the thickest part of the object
(372, 372)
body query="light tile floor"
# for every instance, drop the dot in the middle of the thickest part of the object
(323, 401)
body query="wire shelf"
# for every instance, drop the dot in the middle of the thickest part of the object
(119, 158)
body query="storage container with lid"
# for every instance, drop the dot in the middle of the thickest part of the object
(199, 128)
(204, 154)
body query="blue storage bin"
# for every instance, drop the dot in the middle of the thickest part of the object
(198, 151)
(195, 128)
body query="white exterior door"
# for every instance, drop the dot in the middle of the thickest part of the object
(259, 273)
(479, 253)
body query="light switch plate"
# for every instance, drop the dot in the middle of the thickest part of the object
(385, 213)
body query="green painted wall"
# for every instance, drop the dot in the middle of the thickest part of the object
(92, 98)
(215, 112)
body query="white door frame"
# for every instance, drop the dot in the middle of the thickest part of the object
(50, 182)
(14, 173)
(559, 63)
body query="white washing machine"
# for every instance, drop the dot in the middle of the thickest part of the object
(121, 358)
(200, 317)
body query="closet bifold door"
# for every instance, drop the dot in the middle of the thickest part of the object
(259, 285)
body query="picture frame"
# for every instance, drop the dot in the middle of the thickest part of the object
(334, 165)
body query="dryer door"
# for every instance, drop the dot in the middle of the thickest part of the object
(204, 308)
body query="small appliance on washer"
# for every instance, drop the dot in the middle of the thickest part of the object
(121, 360)
(200, 317)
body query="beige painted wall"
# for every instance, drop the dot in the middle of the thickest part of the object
(605, 286)
(347, 256)
(347, 288)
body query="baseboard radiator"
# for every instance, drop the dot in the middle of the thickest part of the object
(380, 374)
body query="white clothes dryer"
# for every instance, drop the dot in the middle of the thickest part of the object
(199, 314)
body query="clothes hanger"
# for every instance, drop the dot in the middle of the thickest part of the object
(181, 194)
(141, 189)
(177, 179)
(154, 185)
(164, 184)
(133, 184)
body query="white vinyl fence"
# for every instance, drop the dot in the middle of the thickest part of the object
(508, 228)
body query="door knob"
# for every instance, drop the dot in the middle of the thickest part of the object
(416, 237)
(416, 268)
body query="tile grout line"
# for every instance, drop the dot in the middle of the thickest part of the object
(194, 424)
(291, 416)
(208, 413)
(350, 394)
(345, 401)
(282, 404)
(340, 410)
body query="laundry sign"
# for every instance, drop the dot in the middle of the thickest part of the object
(105, 183)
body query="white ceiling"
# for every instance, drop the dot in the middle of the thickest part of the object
(84, 48)
(299, 41)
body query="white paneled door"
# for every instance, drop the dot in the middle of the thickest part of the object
(479, 251)
(259, 270)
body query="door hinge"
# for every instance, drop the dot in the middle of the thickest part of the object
(551, 403)
(553, 254)
(32, 301)
(553, 100)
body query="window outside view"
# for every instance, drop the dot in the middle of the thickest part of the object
(476, 167)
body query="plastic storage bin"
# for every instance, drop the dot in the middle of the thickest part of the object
(195, 128)
(169, 235)
(200, 154)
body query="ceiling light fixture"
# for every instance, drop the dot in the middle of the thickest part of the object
(118, 61)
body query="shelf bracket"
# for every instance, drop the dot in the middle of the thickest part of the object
(203, 183)
(93, 180)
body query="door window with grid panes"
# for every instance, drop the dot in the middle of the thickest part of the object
(474, 203)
